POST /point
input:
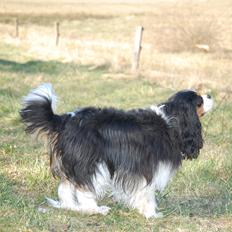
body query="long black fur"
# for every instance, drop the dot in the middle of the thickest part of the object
(130, 143)
(183, 106)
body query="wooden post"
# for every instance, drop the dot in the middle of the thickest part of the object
(137, 48)
(57, 33)
(17, 27)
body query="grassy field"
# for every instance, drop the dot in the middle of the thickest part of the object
(91, 66)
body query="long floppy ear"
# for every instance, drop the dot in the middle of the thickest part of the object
(190, 126)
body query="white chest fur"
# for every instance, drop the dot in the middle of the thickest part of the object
(162, 175)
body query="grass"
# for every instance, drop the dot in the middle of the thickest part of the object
(92, 67)
(198, 198)
(102, 33)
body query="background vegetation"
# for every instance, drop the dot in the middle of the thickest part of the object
(92, 66)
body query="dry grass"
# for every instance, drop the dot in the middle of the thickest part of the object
(100, 34)
(198, 198)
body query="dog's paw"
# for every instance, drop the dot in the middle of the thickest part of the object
(158, 215)
(103, 209)
(153, 215)
(53, 203)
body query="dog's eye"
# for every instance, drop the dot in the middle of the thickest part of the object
(199, 104)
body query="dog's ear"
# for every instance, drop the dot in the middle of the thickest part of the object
(191, 131)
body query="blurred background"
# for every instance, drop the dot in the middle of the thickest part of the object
(181, 42)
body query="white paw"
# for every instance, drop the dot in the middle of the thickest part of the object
(153, 215)
(158, 215)
(53, 203)
(103, 209)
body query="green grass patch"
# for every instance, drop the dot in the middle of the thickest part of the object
(198, 199)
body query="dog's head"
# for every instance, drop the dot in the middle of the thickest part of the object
(187, 107)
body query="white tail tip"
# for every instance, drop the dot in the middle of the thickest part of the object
(40, 94)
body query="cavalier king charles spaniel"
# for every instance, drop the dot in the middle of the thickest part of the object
(128, 153)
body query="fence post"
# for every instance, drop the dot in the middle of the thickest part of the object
(17, 27)
(57, 33)
(137, 48)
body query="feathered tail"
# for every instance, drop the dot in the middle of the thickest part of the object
(38, 111)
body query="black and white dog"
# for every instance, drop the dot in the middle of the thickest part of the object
(129, 153)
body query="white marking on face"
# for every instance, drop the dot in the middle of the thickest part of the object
(208, 103)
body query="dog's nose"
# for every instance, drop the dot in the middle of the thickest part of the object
(208, 96)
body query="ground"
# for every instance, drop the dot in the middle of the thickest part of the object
(92, 66)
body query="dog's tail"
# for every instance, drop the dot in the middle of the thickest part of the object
(38, 111)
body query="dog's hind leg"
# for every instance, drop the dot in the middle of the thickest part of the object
(75, 199)
(87, 203)
(87, 199)
(67, 197)
(81, 199)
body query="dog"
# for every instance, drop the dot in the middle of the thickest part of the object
(129, 154)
